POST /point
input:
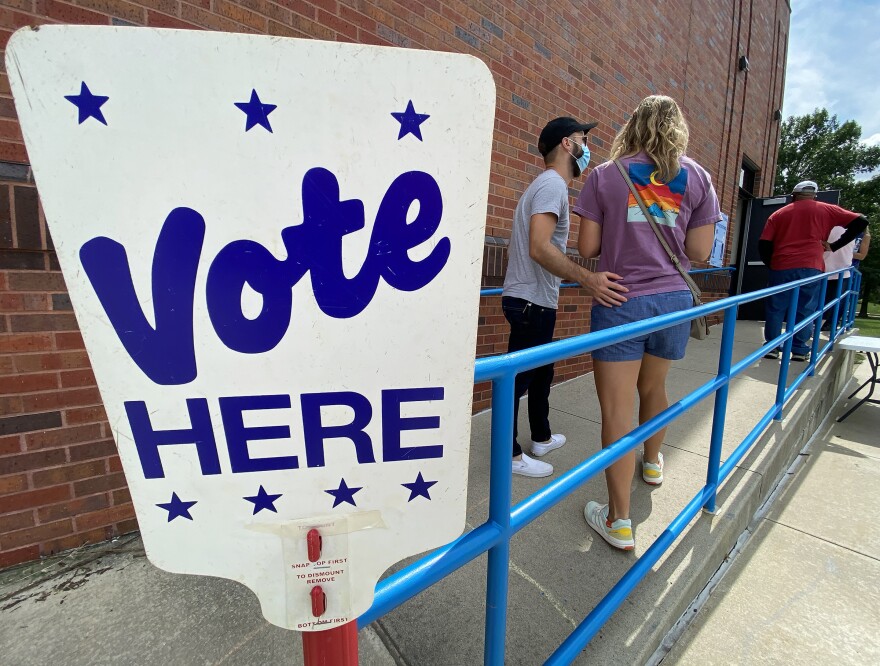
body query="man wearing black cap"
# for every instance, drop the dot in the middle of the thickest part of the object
(536, 266)
(792, 245)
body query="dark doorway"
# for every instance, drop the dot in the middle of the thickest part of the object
(751, 272)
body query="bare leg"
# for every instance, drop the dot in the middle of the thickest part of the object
(616, 386)
(653, 400)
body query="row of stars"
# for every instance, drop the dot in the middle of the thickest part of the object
(177, 508)
(257, 112)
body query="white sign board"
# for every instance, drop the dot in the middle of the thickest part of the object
(273, 248)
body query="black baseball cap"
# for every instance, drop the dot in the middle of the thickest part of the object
(557, 129)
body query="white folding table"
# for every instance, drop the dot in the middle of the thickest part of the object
(871, 348)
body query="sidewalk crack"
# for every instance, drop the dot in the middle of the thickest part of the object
(833, 543)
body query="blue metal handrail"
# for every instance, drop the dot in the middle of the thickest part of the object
(496, 291)
(494, 535)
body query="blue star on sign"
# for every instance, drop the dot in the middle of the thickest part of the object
(89, 105)
(418, 488)
(343, 494)
(263, 500)
(409, 122)
(257, 112)
(177, 508)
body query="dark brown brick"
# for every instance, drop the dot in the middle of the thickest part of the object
(85, 415)
(100, 484)
(70, 508)
(127, 526)
(104, 517)
(35, 535)
(27, 219)
(29, 422)
(32, 323)
(25, 462)
(36, 282)
(10, 522)
(121, 496)
(68, 473)
(67, 360)
(63, 436)
(102, 449)
(22, 260)
(13, 484)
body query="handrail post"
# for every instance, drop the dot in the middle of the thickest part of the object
(817, 328)
(856, 286)
(499, 512)
(720, 412)
(790, 323)
(836, 310)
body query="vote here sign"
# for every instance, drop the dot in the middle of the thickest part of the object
(273, 248)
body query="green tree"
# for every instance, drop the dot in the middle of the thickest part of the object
(818, 147)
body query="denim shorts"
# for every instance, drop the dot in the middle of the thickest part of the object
(669, 343)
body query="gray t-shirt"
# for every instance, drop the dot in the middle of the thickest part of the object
(526, 278)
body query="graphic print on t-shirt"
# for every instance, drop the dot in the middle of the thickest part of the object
(663, 200)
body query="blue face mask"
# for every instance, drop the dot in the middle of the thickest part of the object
(583, 161)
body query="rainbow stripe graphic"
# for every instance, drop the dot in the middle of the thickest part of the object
(662, 199)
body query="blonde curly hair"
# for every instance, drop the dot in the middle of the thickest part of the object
(658, 128)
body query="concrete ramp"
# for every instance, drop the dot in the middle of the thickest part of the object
(108, 605)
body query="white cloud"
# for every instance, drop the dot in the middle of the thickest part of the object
(873, 140)
(832, 58)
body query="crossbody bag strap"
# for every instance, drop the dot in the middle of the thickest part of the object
(695, 290)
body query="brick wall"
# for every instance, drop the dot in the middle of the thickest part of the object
(60, 479)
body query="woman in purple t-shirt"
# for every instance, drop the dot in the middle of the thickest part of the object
(679, 195)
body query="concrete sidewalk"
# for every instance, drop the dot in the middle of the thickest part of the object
(108, 605)
(806, 587)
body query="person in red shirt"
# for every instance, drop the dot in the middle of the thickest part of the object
(792, 246)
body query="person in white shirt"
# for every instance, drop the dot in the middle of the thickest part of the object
(842, 258)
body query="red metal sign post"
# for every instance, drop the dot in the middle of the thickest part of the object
(333, 647)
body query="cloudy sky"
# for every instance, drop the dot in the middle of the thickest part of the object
(834, 61)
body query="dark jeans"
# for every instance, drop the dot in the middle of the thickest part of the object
(531, 325)
(776, 306)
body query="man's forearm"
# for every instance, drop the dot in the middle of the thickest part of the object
(853, 229)
(551, 259)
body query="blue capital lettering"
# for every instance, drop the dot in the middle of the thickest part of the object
(147, 441)
(315, 432)
(393, 424)
(238, 436)
(165, 353)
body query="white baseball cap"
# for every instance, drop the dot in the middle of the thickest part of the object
(805, 186)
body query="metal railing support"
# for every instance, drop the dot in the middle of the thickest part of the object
(720, 410)
(499, 513)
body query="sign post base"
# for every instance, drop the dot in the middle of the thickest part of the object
(332, 647)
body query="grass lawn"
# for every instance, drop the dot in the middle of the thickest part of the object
(871, 325)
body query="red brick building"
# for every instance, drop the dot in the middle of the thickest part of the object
(61, 484)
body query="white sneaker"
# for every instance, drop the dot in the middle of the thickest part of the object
(619, 533)
(652, 473)
(531, 467)
(543, 448)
